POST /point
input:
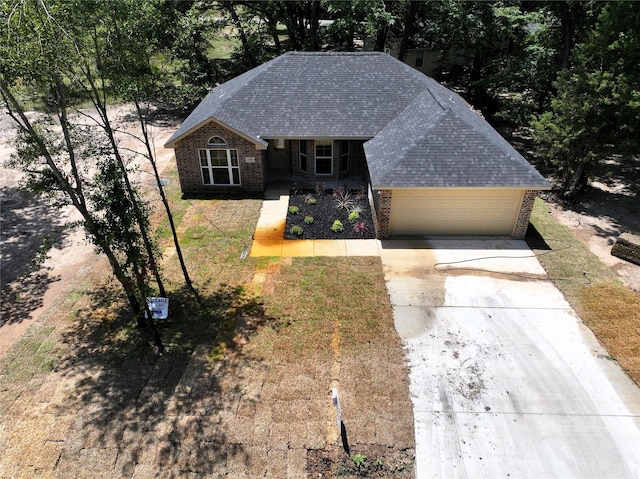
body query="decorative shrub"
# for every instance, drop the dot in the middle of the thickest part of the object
(353, 216)
(360, 227)
(362, 193)
(293, 210)
(342, 198)
(296, 230)
(308, 219)
(337, 226)
(355, 208)
(309, 199)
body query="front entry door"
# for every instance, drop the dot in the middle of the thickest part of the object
(279, 157)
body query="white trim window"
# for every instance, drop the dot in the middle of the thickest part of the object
(324, 157)
(219, 167)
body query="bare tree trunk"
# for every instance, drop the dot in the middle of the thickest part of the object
(291, 21)
(575, 183)
(165, 202)
(314, 40)
(273, 29)
(566, 24)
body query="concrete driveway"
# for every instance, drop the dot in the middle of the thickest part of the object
(505, 379)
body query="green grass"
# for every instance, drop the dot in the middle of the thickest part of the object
(605, 304)
(35, 354)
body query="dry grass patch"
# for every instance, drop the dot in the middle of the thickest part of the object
(313, 295)
(608, 308)
(612, 312)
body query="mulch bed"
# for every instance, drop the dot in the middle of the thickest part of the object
(324, 210)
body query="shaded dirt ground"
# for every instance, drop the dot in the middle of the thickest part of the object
(29, 280)
(605, 212)
(609, 207)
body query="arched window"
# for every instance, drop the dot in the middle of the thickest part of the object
(216, 141)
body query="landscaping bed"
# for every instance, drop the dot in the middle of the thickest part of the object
(329, 214)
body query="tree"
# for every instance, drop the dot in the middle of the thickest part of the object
(129, 74)
(597, 102)
(47, 50)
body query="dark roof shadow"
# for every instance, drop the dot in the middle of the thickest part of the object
(453, 242)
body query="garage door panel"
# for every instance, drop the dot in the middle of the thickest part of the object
(454, 212)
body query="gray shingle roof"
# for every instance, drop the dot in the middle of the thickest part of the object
(421, 134)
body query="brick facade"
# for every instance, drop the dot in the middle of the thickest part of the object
(252, 172)
(522, 224)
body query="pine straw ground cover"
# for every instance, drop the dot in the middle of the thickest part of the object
(607, 307)
(244, 389)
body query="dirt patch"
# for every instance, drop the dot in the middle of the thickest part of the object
(365, 460)
(599, 217)
(317, 213)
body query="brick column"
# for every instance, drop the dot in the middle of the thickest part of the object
(520, 229)
(382, 201)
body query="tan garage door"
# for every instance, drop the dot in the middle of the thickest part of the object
(452, 211)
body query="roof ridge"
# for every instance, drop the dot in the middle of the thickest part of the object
(491, 135)
(335, 54)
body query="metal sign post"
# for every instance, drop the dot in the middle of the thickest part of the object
(339, 423)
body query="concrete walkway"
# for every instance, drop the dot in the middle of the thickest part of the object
(505, 379)
(269, 239)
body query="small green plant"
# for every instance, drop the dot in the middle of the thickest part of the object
(359, 460)
(294, 210)
(337, 226)
(379, 463)
(296, 230)
(353, 216)
(308, 219)
(309, 199)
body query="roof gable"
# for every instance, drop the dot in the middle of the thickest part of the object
(440, 141)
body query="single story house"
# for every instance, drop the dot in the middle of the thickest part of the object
(434, 165)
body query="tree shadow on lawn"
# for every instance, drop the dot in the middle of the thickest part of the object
(166, 412)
